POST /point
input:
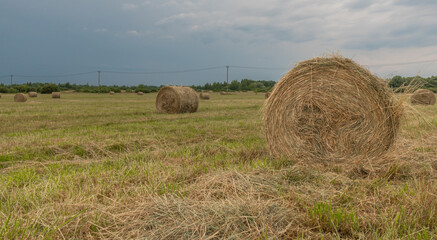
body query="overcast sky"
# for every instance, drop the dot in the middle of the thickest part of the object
(55, 37)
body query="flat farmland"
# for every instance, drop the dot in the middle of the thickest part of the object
(100, 166)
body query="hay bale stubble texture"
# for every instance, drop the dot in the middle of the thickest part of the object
(173, 99)
(56, 95)
(204, 96)
(20, 97)
(33, 94)
(267, 95)
(423, 97)
(331, 108)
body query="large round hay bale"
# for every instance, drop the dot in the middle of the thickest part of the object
(331, 108)
(204, 96)
(173, 99)
(56, 95)
(111, 93)
(140, 93)
(20, 97)
(32, 94)
(423, 96)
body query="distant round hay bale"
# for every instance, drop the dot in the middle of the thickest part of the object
(267, 95)
(140, 93)
(223, 93)
(20, 97)
(111, 93)
(173, 99)
(123, 91)
(423, 97)
(204, 96)
(56, 95)
(331, 108)
(32, 94)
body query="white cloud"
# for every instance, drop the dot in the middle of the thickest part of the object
(129, 6)
(133, 32)
(101, 30)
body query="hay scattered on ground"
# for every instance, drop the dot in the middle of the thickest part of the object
(423, 97)
(331, 108)
(173, 99)
(56, 95)
(204, 96)
(20, 97)
(33, 94)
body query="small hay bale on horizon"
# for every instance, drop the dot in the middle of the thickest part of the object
(140, 93)
(204, 96)
(173, 99)
(56, 95)
(423, 97)
(20, 97)
(331, 108)
(32, 94)
(122, 91)
(111, 93)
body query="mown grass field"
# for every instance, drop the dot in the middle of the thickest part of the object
(91, 166)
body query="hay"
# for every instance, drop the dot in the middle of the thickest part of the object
(267, 95)
(172, 99)
(111, 93)
(20, 97)
(132, 91)
(204, 96)
(423, 97)
(222, 93)
(56, 95)
(140, 93)
(331, 108)
(32, 94)
(123, 91)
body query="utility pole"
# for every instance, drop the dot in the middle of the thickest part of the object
(227, 77)
(11, 79)
(99, 80)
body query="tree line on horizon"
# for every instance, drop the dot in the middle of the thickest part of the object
(397, 82)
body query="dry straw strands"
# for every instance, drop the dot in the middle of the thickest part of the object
(267, 95)
(56, 95)
(20, 97)
(204, 96)
(173, 99)
(424, 97)
(140, 93)
(33, 94)
(331, 108)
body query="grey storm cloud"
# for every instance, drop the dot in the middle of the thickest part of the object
(45, 37)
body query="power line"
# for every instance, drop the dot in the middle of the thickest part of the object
(53, 76)
(164, 72)
(261, 68)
